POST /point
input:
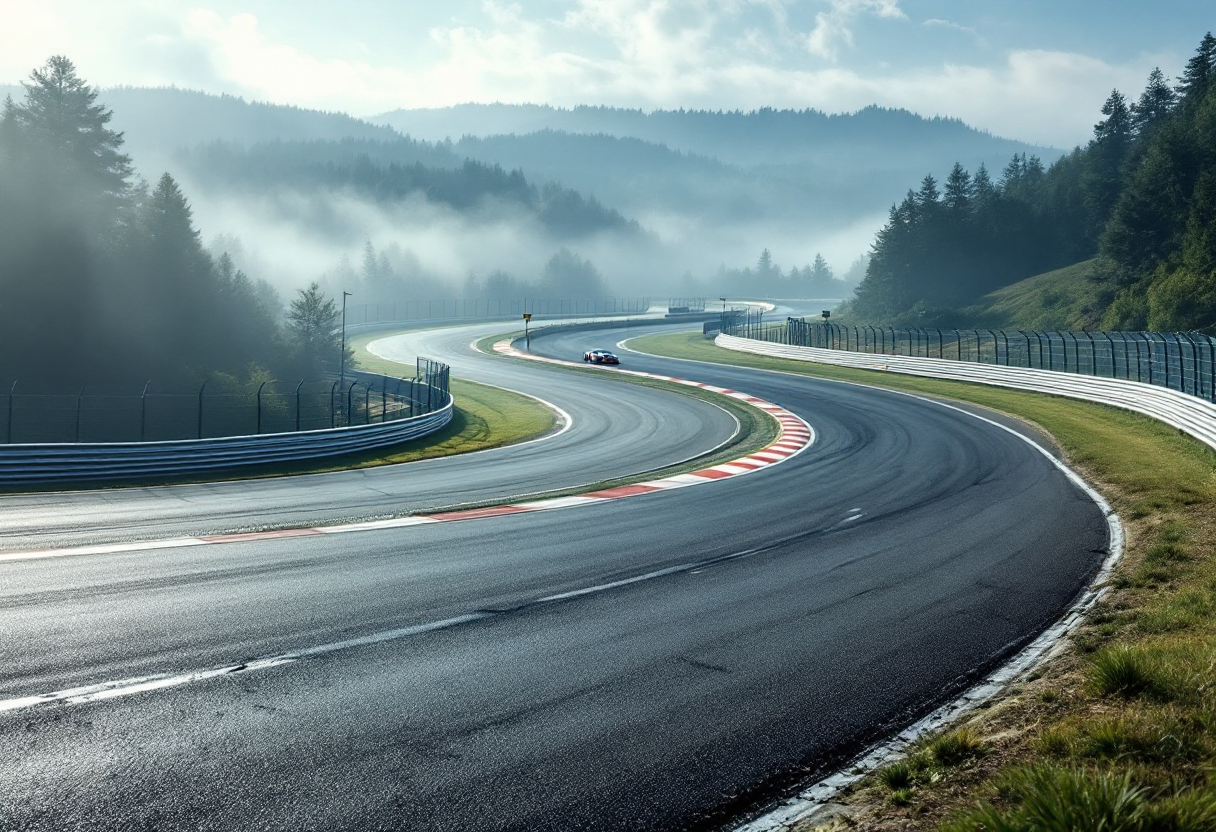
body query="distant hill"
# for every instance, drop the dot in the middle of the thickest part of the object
(797, 181)
(871, 136)
(716, 188)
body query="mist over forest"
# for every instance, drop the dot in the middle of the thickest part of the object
(231, 226)
(670, 202)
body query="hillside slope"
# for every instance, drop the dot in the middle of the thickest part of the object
(1070, 298)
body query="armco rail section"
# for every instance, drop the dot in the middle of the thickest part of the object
(1186, 412)
(427, 408)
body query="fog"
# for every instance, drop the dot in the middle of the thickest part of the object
(697, 194)
(291, 238)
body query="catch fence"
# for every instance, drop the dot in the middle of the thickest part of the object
(1183, 361)
(159, 413)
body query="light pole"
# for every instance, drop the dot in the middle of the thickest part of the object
(342, 357)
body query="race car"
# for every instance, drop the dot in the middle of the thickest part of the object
(600, 357)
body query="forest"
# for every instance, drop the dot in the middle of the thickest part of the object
(388, 172)
(104, 277)
(107, 281)
(1139, 197)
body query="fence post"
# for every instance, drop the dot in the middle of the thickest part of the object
(1165, 358)
(8, 436)
(79, 402)
(1093, 354)
(1197, 388)
(333, 422)
(1211, 368)
(200, 409)
(350, 404)
(298, 386)
(1111, 344)
(367, 402)
(263, 384)
(143, 411)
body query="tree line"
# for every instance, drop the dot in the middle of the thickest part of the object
(103, 277)
(1140, 197)
(391, 171)
(394, 274)
(816, 280)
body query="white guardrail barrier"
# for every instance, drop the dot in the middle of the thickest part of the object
(1179, 410)
(50, 464)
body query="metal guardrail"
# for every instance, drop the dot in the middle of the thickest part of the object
(1183, 411)
(427, 399)
(52, 464)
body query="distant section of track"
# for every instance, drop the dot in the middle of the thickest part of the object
(612, 436)
(663, 662)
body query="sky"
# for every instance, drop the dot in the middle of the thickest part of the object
(1033, 70)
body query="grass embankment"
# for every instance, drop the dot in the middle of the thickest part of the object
(1069, 298)
(1117, 732)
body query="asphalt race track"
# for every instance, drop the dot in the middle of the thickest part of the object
(497, 674)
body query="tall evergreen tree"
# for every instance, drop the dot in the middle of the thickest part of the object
(1200, 70)
(60, 119)
(313, 332)
(959, 190)
(1155, 104)
(1104, 170)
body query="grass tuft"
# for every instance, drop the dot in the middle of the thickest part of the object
(1053, 799)
(1123, 671)
(955, 747)
(901, 797)
(897, 775)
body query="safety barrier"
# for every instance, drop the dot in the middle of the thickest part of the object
(56, 464)
(1185, 412)
(423, 407)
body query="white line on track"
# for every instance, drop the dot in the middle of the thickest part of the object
(143, 684)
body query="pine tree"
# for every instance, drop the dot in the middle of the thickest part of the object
(61, 121)
(1156, 102)
(959, 191)
(313, 332)
(1200, 70)
(985, 191)
(1103, 178)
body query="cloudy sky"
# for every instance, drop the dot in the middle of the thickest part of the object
(1036, 70)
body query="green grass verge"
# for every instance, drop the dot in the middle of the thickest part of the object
(1118, 732)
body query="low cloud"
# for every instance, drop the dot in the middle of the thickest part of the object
(834, 27)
